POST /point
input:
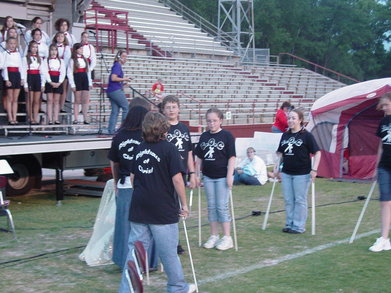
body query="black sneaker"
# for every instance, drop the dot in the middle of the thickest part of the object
(291, 231)
(286, 230)
(180, 250)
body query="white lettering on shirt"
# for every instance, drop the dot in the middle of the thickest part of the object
(290, 142)
(211, 144)
(387, 138)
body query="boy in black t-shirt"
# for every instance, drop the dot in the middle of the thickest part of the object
(179, 135)
(154, 212)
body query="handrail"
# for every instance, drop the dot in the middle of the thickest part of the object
(205, 25)
(338, 74)
(141, 95)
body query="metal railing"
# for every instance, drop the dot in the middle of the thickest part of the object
(320, 69)
(205, 25)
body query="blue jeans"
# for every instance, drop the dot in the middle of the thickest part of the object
(384, 180)
(117, 101)
(245, 179)
(276, 130)
(217, 195)
(295, 189)
(166, 239)
(122, 226)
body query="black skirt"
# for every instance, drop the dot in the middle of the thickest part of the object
(50, 89)
(81, 81)
(34, 82)
(14, 78)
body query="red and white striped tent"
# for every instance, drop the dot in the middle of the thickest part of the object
(344, 123)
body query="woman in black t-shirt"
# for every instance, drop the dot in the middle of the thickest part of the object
(384, 174)
(121, 156)
(154, 211)
(295, 147)
(216, 149)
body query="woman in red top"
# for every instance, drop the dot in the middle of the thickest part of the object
(281, 123)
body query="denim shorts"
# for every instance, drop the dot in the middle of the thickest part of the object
(384, 180)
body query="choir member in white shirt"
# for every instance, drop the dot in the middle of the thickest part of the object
(64, 52)
(8, 23)
(36, 79)
(89, 52)
(14, 77)
(43, 49)
(54, 88)
(79, 77)
(37, 23)
(62, 25)
(12, 32)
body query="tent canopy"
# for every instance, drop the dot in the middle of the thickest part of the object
(344, 123)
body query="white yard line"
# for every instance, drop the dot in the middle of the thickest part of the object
(273, 262)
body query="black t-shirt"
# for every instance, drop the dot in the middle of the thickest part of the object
(215, 149)
(122, 150)
(154, 200)
(179, 135)
(384, 132)
(296, 149)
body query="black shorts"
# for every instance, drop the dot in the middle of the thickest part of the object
(34, 82)
(14, 78)
(50, 89)
(1, 81)
(81, 81)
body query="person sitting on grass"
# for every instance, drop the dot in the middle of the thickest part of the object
(155, 211)
(251, 171)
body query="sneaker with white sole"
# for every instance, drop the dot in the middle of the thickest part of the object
(380, 245)
(192, 288)
(225, 243)
(212, 241)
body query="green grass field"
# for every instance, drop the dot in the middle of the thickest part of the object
(50, 238)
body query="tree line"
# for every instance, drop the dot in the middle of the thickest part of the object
(348, 36)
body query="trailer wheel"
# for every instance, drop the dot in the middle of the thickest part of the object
(26, 174)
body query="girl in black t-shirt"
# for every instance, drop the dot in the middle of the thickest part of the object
(295, 147)
(384, 174)
(216, 149)
(121, 156)
(154, 211)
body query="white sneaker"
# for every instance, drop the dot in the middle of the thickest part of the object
(212, 241)
(225, 243)
(380, 245)
(192, 288)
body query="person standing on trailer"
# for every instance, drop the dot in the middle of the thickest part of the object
(54, 87)
(62, 25)
(64, 52)
(14, 77)
(216, 150)
(35, 83)
(79, 77)
(295, 148)
(88, 52)
(384, 174)
(37, 24)
(43, 49)
(115, 91)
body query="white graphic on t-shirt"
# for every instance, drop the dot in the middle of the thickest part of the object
(179, 136)
(290, 142)
(387, 138)
(143, 166)
(123, 144)
(211, 144)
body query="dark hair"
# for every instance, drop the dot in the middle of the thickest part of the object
(5, 28)
(54, 41)
(170, 99)
(16, 31)
(34, 31)
(118, 55)
(216, 111)
(28, 56)
(53, 46)
(12, 38)
(74, 57)
(155, 126)
(286, 104)
(134, 118)
(59, 22)
(250, 148)
(84, 33)
(35, 19)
